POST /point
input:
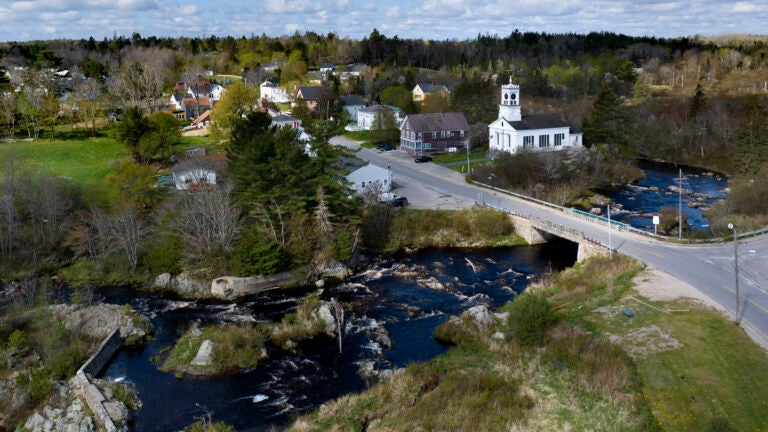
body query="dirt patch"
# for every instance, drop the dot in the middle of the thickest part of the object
(646, 340)
(657, 285)
(196, 132)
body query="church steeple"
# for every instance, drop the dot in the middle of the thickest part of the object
(509, 108)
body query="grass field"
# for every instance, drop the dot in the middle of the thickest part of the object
(86, 161)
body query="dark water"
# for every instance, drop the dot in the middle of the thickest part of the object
(638, 202)
(386, 295)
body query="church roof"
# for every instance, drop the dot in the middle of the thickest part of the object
(540, 121)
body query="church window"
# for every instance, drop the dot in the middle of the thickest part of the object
(543, 141)
(528, 141)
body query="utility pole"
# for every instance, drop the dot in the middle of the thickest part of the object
(680, 207)
(736, 271)
(468, 145)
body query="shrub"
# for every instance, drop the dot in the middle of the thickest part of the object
(164, 255)
(257, 254)
(530, 317)
(83, 271)
(17, 340)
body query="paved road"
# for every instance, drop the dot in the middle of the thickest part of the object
(708, 268)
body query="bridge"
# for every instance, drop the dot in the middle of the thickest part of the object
(536, 230)
(707, 267)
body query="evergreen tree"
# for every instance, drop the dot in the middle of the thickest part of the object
(607, 123)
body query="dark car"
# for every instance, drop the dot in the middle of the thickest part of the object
(420, 159)
(400, 201)
(386, 147)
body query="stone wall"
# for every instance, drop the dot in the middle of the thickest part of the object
(87, 390)
(106, 350)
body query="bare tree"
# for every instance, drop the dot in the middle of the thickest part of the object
(8, 109)
(138, 86)
(87, 95)
(194, 81)
(338, 313)
(208, 220)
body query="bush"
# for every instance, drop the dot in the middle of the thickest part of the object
(530, 317)
(164, 255)
(17, 340)
(257, 254)
(83, 271)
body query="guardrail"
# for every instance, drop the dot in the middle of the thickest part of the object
(602, 220)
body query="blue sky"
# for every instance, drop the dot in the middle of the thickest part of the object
(22, 20)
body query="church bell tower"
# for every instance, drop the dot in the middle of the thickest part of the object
(509, 108)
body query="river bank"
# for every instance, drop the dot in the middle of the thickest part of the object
(625, 351)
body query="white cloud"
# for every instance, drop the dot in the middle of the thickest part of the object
(744, 7)
(291, 6)
(189, 10)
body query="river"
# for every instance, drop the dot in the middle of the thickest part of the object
(384, 294)
(638, 202)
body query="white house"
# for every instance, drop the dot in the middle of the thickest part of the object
(198, 173)
(513, 132)
(283, 120)
(271, 91)
(352, 104)
(371, 178)
(367, 116)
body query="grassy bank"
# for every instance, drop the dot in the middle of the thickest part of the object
(571, 359)
(389, 229)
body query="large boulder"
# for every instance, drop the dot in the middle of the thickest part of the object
(100, 320)
(204, 355)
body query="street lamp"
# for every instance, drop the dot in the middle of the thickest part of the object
(736, 270)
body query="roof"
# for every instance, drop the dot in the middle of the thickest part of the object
(191, 101)
(313, 92)
(327, 65)
(376, 108)
(540, 121)
(271, 82)
(283, 118)
(204, 117)
(352, 100)
(436, 122)
(368, 171)
(430, 88)
(216, 163)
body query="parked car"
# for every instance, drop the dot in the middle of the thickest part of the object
(420, 159)
(385, 147)
(399, 201)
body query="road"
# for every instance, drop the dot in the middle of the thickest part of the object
(708, 268)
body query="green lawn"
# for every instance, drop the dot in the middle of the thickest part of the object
(460, 156)
(86, 161)
(717, 372)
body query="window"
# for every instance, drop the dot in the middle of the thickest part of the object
(434, 134)
(559, 138)
(543, 141)
(462, 134)
(528, 141)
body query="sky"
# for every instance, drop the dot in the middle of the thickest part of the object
(23, 20)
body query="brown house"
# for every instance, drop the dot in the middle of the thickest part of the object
(424, 134)
(312, 94)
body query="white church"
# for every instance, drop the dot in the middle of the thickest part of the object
(512, 132)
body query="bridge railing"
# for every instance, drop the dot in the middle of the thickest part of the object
(602, 220)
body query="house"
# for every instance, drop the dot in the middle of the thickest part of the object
(327, 68)
(312, 94)
(371, 179)
(513, 132)
(282, 120)
(201, 88)
(271, 67)
(195, 107)
(271, 91)
(352, 104)
(422, 90)
(203, 121)
(177, 100)
(424, 134)
(367, 116)
(199, 173)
